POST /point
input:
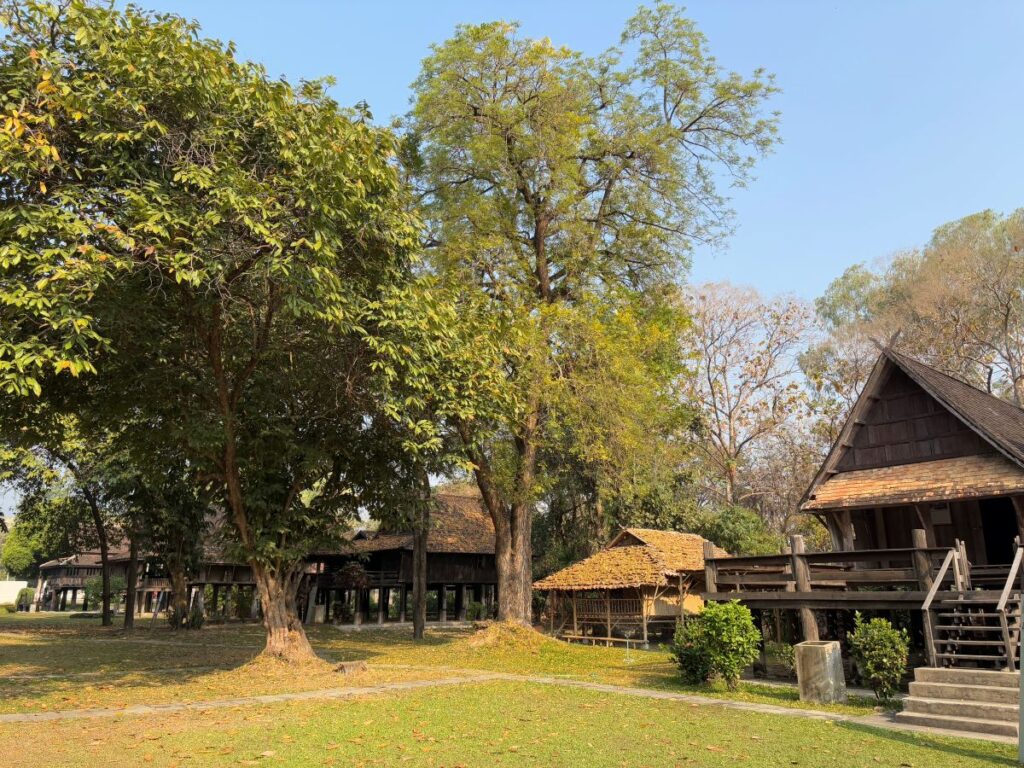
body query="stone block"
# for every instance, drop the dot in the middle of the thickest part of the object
(819, 671)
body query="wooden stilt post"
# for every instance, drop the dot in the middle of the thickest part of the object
(381, 604)
(923, 572)
(710, 568)
(575, 624)
(402, 595)
(643, 613)
(802, 577)
(608, 614)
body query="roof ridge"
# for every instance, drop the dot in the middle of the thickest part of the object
(951, 377)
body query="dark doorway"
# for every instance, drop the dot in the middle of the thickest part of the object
(999, 523)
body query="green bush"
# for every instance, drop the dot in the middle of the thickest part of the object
(475, 611)
(7, 608)
(881, 653)
(26, 595)
(720, 641)
(781, 653)
(94, 591)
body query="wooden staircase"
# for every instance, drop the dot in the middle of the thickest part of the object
(977, 622)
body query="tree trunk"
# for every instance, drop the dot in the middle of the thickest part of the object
(101, 535)
(179, 594)
(131, 581)
(286, 639)
(515, 582)
(419, 559)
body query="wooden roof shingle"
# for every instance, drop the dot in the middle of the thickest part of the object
(962, 477)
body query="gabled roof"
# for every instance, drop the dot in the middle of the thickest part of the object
(1001, 423)
(458, 525)
(679, 551)
(998, 423)
(636, 557)
(611, 568)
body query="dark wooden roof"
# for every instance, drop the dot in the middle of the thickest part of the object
(994, 426)
(458, 525)
(1001, 423)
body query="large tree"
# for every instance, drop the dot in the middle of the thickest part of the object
(249, 225)
(556, 186)
(956, 303)
(747, 382)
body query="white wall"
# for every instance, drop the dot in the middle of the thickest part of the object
(9, 590)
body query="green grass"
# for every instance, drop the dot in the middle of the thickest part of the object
(104, 667)
(494, 724)
(51, 663)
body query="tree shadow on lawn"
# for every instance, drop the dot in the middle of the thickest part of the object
(74, 669)
(961, 748)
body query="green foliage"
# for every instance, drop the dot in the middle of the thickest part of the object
(476, 611)
(881, 653)
(26, 595)
(94, 590)
(781, 653)
(719, 641)
(20, 551)
(737, 530)
(8, 608)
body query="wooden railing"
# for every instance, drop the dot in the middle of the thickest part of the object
(600, 607)
(865, 579)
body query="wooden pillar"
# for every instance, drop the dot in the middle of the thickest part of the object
(923, 572)
(608, 614)
(442, 607)
(710, 569)
(575, 623)
(403, 596)
(643, 613)
(802, 577)
(460, 602)
(311, 604)
(381, 604)
(846, 532)
(924, 517)
(213, 603)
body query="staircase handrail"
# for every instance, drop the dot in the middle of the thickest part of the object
(937, 583)
(1010, 578)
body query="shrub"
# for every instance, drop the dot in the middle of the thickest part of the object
(7, 608)
(475, 611)
(781, 653)
(881, 653)
(94, 591)
(25, 596)
(719, 641)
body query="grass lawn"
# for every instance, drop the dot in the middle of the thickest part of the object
(51, 664)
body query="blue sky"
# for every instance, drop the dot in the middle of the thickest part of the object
(896, 116)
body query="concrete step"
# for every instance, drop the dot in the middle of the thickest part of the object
(961, 676)
(981, 710)
(968, 724)
(956, 692)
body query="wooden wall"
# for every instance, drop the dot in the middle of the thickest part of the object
(906, 425)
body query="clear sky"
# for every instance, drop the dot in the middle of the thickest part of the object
(896, 116)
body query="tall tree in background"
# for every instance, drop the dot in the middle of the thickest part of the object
(556, 186)
(250, 225)
(956, 303)
(747, 380)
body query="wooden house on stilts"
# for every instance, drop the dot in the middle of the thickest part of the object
(633, 590)
(923, 494)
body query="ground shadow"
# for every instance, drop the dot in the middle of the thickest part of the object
(960, 749)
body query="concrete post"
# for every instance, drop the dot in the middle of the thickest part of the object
(819, 671)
